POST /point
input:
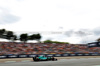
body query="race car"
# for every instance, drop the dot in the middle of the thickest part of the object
(43, 58)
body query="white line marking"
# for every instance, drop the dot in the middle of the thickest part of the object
(26, 61)
(9, 61)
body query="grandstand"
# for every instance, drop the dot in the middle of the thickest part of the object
(16, 48)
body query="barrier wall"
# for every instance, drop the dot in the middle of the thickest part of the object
(48, 55)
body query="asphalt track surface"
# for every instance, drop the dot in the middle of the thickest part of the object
(61, 62)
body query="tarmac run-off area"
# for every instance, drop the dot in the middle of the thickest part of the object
(62, 61)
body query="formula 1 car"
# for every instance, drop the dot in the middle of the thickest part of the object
(42, 58)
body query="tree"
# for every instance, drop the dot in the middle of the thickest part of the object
(38, 37)
(98, 40)
(49, 41)
(9, 35)
(32, 37)
(2, 31)
(24, 37)
(35, 37)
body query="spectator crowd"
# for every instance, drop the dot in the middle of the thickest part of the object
(10, 48)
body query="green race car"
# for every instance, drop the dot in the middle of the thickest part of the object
(42, 58)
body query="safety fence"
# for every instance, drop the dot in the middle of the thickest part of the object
(48, 55)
